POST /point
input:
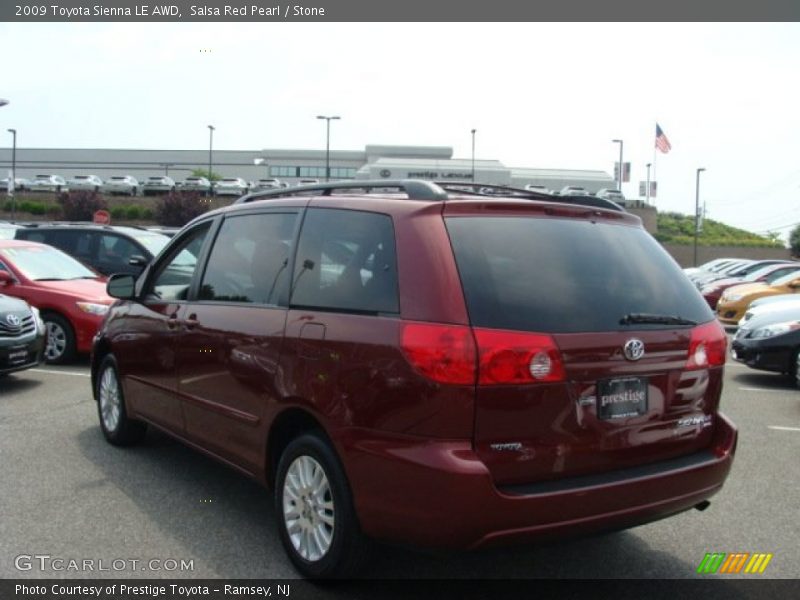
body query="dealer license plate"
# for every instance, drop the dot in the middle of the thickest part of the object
(621, 398)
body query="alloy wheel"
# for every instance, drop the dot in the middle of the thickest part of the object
(308, 509)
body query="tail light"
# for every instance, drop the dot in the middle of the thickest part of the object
(707, 346)
(516, 357)
(448, 354)
(444, 353)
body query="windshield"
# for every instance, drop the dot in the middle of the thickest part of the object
(785, 279)
(44, 263)
(153, 242)
(569, 275)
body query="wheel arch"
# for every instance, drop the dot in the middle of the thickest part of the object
(289, 424)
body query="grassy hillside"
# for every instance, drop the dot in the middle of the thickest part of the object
(676, 228)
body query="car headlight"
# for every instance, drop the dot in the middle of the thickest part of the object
(93, 308)
(775, 329)
(37, 318)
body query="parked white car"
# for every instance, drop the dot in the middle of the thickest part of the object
(126, 185)
(231, 186)
(196, 184)
(267, 184)
(574, 190)
(91, 183)
(158, 184)
(20, 184)
(537, 188)
(49, 183)
(611, 194)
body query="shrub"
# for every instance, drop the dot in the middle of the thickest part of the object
(119, 212)
(81, 206)
(133, 212)
(147, 214)
(178, 208)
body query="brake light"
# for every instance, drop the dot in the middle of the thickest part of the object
(508, 357)
(707, 346)
(444, 353)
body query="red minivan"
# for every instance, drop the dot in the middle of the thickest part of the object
(442, 365)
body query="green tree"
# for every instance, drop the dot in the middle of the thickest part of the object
(794, 240)
(204, 173)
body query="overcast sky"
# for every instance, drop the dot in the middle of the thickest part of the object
(540, 95)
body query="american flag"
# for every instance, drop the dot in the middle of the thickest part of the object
(662, 143)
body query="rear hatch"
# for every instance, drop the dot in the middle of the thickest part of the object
(595, 352)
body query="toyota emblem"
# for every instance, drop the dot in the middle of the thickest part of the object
(634, 349)
(14, 321)
(385, 173)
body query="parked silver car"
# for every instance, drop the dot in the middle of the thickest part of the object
(542, 189)
(231, 186)
(91, 183)
(196, 184)
(574, 190)
(610, 194)
(49, 183)
(126, 185)
(267, 184)
(20, 184)
(158, 184)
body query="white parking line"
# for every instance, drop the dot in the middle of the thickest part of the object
(60, 372)
(749, 389)
(779, 428)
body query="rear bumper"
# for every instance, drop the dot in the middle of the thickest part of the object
(439, 494)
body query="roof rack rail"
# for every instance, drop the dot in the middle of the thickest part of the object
(488, 190)
(416, 189)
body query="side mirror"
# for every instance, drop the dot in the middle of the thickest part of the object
(121, 286)
(794, 284)
(137, 261)
(6, 278)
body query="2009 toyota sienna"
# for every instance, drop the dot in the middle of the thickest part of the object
(449, 365)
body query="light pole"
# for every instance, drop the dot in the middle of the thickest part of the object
(473, 155)
(328, 144)
(648, 183)
(697, 212)
(12, 183)
(619, 178)
(210, 149)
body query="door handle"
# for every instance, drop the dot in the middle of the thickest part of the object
(172, 323)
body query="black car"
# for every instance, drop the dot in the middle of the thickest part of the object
(22, 335)
(105, 248)
(771, 343)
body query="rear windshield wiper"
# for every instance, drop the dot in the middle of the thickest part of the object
(635, 318)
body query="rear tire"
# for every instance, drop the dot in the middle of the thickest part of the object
(117, 428)
(314, 509)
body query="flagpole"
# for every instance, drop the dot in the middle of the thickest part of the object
(655, 156)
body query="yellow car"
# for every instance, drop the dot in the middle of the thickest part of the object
(734, 301)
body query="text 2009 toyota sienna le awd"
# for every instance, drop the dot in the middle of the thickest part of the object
(436, 365)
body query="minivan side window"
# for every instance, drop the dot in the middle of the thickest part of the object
(174, 274)
(346, 261)
(250, 259)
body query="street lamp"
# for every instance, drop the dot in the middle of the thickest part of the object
(328, 144)
(210, 147)
(473, 155)
(648, 183)
(619, 178)
(13, 181)
(697, 212)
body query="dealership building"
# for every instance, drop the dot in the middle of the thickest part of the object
(374, 162)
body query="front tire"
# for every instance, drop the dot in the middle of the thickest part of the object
(314, 509)
(117, 428)
(60, 346)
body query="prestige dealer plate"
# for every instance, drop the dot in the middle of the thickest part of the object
(621, 398)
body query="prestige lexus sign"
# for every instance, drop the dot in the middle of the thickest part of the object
(438, 176)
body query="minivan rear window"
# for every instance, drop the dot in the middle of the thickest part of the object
(566, 275)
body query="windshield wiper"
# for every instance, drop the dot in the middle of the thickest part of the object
(636, 318)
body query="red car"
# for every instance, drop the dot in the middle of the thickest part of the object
(767, 274)
(453, 365)
(71, 298)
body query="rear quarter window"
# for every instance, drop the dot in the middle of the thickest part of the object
(566, 275)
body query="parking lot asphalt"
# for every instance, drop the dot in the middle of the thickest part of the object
(67, 494)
